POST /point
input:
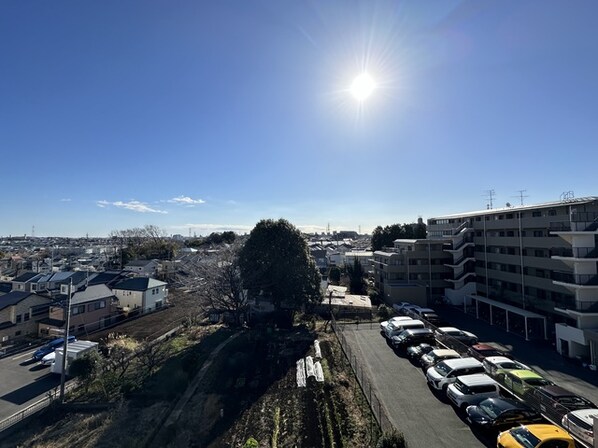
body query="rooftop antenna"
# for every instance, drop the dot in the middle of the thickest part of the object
(567, 196)
(521, 196)
(490, 197)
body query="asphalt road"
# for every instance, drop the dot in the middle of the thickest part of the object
(425, 419)
(23, 382)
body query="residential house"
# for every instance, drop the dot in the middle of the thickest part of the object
(20, 283)
(92, 308)
(145, 268)
(140, 293)
(19, 313)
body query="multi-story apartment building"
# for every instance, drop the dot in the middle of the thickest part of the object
(532, 269)
(412, 270)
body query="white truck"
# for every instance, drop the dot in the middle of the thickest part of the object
(75, 350)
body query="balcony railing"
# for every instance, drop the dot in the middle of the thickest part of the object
(586, 307)
(582, 222)
(575, 279)
(575, 252)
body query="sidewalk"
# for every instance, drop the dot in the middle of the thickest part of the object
(539, 355)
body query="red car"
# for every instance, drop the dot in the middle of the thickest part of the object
(480, 351)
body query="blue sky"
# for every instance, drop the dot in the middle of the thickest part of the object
(213, 115)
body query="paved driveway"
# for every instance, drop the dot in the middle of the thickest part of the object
(425, 420)
(23, 382)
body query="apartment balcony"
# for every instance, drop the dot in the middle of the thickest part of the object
(570, 280)
(460, 246)
(578, 253)
(579, 307)
(578, 222)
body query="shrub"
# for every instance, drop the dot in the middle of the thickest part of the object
(392, 439)
(383, 312)
(251, 443)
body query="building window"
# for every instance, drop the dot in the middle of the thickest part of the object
(538, 233)
(26, 317)
(18, 333)
(19, 318)
(552, 212)
(78, 310)
(536, 214)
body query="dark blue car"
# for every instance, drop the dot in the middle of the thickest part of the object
(50, 347)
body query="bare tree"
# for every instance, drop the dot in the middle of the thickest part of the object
(216, 282)
(151, 354)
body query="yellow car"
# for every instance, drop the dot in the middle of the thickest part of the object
(535, 436)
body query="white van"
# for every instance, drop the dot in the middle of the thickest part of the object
(397, 327)
(446, 372)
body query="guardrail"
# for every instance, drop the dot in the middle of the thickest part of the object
(36, 407)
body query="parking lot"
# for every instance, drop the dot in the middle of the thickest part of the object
(427, 418)
(23, 382)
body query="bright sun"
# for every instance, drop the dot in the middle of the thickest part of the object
(362, 86)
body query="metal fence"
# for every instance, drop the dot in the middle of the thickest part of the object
(362, 377)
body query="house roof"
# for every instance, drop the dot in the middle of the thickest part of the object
(108, 277)
(139, 284)
(139, 263)
(14, 297)
(76, 277)
(91, 293)
(24, 277)
(5, 287)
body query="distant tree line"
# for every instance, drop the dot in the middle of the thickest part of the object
(214, 238)
(146, 243)
(385, 236)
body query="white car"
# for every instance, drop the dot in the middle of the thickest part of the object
(48, 360)
(446, 372)
(469, 390)
(496, 366)
(581, 424)
(384, 324)
(461, 335)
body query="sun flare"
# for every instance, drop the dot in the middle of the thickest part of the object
(362, 86)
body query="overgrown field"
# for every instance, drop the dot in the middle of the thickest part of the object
(249, 391)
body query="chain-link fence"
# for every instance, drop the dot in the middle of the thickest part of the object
(362, 377)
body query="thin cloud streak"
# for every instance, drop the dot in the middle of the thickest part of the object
(135, 206)
(186, 200)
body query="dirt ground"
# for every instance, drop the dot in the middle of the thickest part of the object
(249, 391)
(254, 393)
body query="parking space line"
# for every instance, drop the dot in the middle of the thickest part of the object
(22, 355)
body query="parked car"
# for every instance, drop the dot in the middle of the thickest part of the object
(481, 351)
(471, 389)
(50, 347)
(384, 324)
(48, 359)
(407, 310)
(535, 436)
(497, 366)
(580, 423)
(432, 358)
(412, 337)
(394, 329)
(520, 381)
(552, 396)
(398, 306)
(415, 352)
(442, 333)
(499, 413)
(446, 372)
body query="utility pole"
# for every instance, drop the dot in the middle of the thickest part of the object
(66, 341)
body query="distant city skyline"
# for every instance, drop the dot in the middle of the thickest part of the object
(214, 115)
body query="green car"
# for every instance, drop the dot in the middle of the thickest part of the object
(520, 381)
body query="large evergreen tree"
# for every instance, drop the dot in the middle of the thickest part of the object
(384, 236)
(275, 262)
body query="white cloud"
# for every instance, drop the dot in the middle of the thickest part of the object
(65, 200)
(136, 206)
(186, 200)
